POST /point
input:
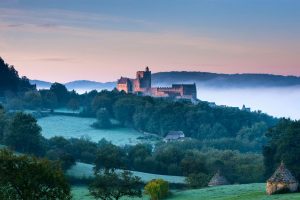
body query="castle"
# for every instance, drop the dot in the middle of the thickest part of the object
(142, 85)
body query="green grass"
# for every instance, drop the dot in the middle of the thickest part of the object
(86, 170)
(82, 193)
(254, 191)
(232, 192)
(77, 127)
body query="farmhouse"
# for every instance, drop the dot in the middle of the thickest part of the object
(282, 181)
(174, 136)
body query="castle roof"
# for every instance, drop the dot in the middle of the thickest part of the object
(218, 180)
(282, 175)
(123, 80)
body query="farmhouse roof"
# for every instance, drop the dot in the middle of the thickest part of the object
(173, 135)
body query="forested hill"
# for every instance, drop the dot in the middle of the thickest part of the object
(10, 80)
(225, 80)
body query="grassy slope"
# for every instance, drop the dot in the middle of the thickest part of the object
(77, 127)
(233, 192)
(86, 170)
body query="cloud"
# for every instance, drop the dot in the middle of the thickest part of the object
(55, 59)
(53, 18)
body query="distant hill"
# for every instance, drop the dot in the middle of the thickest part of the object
(88, 85)
(41, 84)
(82, 85)
(224, 80)
(204, 79)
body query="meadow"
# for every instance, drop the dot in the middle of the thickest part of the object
(86, 170)
(77, 127)
(254, 191)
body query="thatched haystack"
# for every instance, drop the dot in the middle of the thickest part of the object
(218, 180)
(282, 181)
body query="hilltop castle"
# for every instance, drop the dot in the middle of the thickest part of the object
(142, 85)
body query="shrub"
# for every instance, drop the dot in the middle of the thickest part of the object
(157, 189)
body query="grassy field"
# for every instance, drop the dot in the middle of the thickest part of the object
(77, 127)
(86, 170)
(233, 192)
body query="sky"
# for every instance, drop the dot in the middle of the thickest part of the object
(65, 40)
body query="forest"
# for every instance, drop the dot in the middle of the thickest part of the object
(222, 138)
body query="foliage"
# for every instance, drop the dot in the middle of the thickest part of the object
(109, 157)
(24, 178)
(200, 121)
(23, 134)
(3, 122)
(103, 120)
(112, 185)
(79, 149)
(283, 145)
(33, 99)
(199, 180)
(73, 104)
(10, 80)
(61, 93)
(157, 189)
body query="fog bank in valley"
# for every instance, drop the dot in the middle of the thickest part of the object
(279, 102)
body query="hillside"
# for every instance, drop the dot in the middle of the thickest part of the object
(81, 85)
(254, 191)
(201, 78)
(11, 81)
(225, 80)
(86, 170)
(86, 85)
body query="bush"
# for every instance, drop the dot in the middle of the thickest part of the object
(157, 189)
(197, 180)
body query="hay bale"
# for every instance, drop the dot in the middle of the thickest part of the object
(218, 180)
(282, 181)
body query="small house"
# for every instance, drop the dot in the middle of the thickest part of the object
(282, 181)
(174, 136)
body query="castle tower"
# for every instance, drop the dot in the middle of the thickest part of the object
(143, 81)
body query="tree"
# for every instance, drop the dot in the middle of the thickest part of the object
(24, 134)
(28, 178)
(61, 93)
(112, 185)
(157, 189)
(33, 99)
(73, 104)
(197, 180)
(3, 122)
(101, 101)
(124, 110)
(103, 120)
(66, 161)
(283, 145)
(10, 80)
(109, 157)
(49, 99)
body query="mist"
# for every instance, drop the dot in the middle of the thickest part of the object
(278, 102)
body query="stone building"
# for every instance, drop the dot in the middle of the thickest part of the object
(142, 85)
(174, 136)
(282, 181)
